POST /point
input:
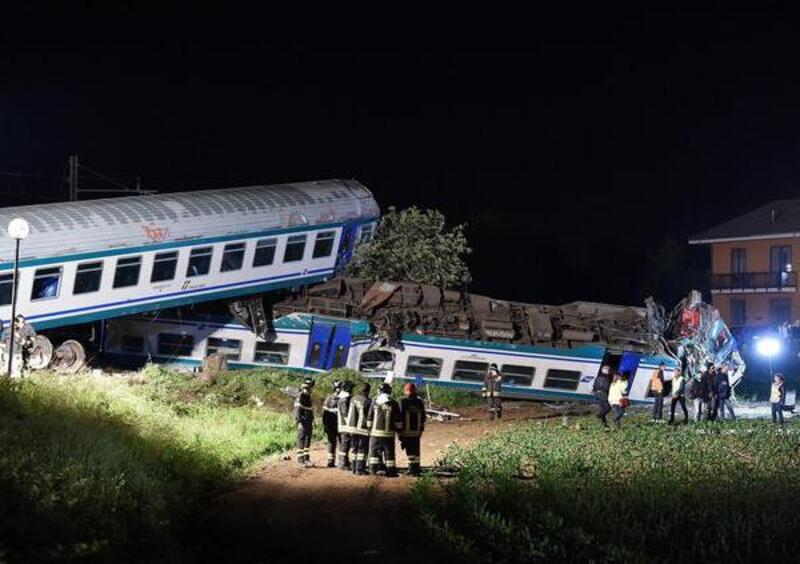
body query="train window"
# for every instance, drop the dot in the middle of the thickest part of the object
(170, 344)
(132, 344)
(6, 283)
(231, 348)
(265, 252)
(562, 379)
(87, 278)
(273, 353)
(46, 283)
(339, 356)
(518, 375)
(323, 246)
(127, 273)
(164, 266)
(366, 233)
(376, 361)
(295, 248)
(468, 370)
(424, 366)
(199, 261)
(232, 257)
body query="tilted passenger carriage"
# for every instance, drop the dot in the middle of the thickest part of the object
(101, 259)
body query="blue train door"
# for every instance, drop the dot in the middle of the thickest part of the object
(629, 363)
(346, 246)
(328, 346)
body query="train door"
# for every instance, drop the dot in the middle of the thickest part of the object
(346, 246)
(328, 346)
(630, 364)
(612, 359)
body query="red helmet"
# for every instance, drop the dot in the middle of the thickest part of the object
(410, 388)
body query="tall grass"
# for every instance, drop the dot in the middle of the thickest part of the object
(550, 492)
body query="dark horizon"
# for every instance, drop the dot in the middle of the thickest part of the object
(573, 154)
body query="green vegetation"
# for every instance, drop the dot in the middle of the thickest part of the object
(116, 465)
(414, 245)
(649, 493)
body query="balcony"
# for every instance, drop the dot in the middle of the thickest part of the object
(752, 282)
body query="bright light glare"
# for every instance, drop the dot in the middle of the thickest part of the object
(767, 346)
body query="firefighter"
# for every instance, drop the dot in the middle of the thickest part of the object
(412, 417)
(384, 421)
(304, 417)
(357, 420)
(492, 387)
(330, 423)
(345, 433)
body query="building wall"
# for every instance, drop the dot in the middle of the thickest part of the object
(757, 304)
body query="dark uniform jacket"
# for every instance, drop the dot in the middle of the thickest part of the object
(303, 412)
(357, 415)
(601, 385)
(492, 385)
(343, 408)
(384, 419)
(412, 416)
(330, 409)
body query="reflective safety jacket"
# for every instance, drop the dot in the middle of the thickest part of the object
(357, 415)
(343, 408)
(384, 418)
(412, 416)
(492, 385)
(303, 411)
(330, 409)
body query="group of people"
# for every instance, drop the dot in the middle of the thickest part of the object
(709, 390)
(360, 430)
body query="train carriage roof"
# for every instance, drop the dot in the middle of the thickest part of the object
(95, 226)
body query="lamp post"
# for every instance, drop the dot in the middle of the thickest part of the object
(19, 229)
(769, 347)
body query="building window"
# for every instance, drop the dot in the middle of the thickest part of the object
(127, 272)
(780, 311)
(272, 353)
(323, 245)
(231, 348)
(738, 313)
(87, 278)
(6, 288)
(376, 361)
(199, 261)
(170, 344)
(517, 375)
(232, 257)
(468, 370)
(265, 252)
(46, 283)
(164, 266)
(738, 261)
(132, 344)
(562, 379)
(424, 366)
(295, 248)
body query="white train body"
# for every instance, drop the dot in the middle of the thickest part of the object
(315, 343)
(100, 259)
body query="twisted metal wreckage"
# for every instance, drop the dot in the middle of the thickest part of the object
(693, 333)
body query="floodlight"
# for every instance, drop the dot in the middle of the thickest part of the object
(768, 346)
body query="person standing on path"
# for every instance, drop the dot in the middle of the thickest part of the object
(678, 397)
(412, 416)
(358, 422)
(618, 397)
(330, 423)
(657, 391)
(384, 419)
(777, 397)
(345, 433)
(724, 394)
(492, 388)
(600, 392)
(304, 418)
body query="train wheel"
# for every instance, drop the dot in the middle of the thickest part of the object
(41, 353)
(69, 357)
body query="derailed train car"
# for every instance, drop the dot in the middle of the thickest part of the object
(439, 337)
(95, 260)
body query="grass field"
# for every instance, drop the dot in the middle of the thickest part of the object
(116, 465)
(554, 492)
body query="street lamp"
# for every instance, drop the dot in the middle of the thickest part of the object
(19, 229)
(769, 347)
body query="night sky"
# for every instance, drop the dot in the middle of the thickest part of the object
(573, 145)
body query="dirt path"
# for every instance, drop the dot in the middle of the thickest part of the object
(285, 513)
